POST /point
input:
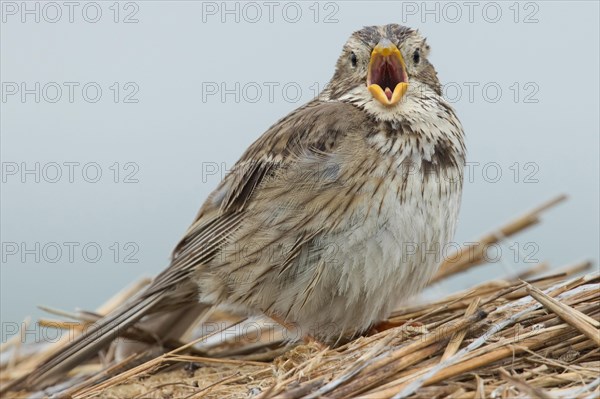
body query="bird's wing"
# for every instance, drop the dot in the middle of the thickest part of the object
(305, 135)
(313, 129)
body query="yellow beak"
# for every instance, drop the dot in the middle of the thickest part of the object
(387, 80)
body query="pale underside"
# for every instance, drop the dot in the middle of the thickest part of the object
(334, 239)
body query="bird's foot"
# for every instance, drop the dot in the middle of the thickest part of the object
(389, 324)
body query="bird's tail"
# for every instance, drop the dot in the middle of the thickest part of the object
(97, 337)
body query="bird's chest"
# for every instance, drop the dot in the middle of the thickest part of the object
(404, 217)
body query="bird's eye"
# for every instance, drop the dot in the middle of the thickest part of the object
(416, 56)
(353, 59)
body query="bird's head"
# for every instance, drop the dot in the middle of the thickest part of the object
(384, 69)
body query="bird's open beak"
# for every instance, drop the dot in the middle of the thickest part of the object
(387, 80)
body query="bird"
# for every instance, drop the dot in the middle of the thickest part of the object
(335, 215)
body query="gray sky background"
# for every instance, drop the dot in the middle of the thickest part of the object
(532, 115)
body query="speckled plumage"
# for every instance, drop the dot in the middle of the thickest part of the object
(332, 217)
